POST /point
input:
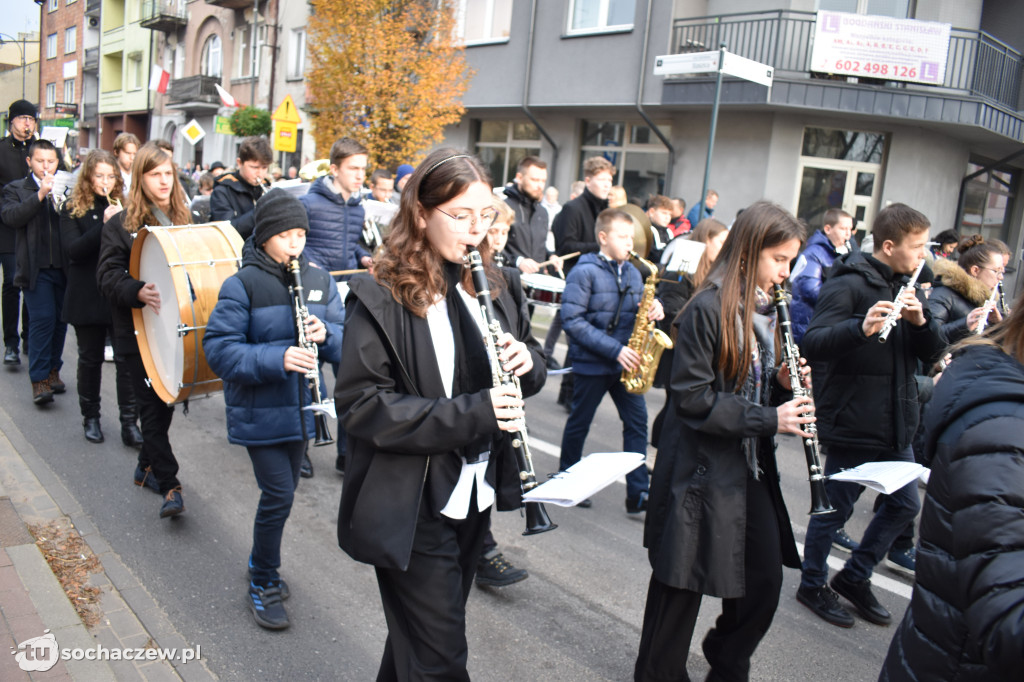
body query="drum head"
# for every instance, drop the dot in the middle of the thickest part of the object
(165, 346)
(542, 281)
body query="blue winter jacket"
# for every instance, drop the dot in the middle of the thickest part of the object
(246, 336)
(591, 300)
(335, 226)
(808, 274)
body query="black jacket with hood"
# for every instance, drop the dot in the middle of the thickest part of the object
(574, 225)
(234, 199)
(528, 236)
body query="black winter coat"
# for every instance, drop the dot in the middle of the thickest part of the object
(119, 287)
(964, 619)
(403, 431)
(695, 528)
(868, 397)
(13, 166)
(233, 200)
(528, 236)
(80, 238)
(574, 226)
(956, 295)
(37, 228)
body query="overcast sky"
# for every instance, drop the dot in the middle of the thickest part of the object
(19, 15)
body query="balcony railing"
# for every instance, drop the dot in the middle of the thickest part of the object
(91, 61)
(92, 8)
(977, 63)
(194, 89)
(164, 15)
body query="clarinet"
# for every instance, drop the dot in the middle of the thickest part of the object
(791, 356)
(1002, 301)
(898, 305)
(295, 290)
(537, 520)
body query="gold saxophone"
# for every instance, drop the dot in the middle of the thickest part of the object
(646, 339)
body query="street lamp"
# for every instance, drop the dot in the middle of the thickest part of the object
(21, 48)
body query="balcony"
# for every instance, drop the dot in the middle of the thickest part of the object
(91, 61)
(982, 84)
(231, 4)
(194, 93)
(92, 8)
(90, 110)
(164, 15)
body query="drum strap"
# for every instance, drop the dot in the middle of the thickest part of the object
(160, 216)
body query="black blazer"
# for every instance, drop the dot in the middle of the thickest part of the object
(80, 239)
(120, 288)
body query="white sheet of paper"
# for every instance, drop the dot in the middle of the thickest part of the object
(379, 211)
(885, 477)
(585, 478)
(326, 407)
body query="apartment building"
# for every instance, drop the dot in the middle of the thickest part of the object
(60, 66)
(125, 53)
(19, 69)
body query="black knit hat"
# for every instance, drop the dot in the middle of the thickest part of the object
(22, 107)
(277, 212)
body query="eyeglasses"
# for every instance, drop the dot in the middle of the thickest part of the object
(999, 273)
(464, 222)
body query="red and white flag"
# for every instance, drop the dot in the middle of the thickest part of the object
(226, 97)
(159, 80)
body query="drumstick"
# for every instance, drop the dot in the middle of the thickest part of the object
(564, 258)
(335, 273)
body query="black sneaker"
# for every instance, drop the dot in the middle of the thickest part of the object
(173, 504)
(285, 592)
(552, 363)
(11, 356)
(498, 572)
(585, 504)
(824, 603)
(267, 605)
(902, 560)
(638, 505)
(306, 469)
(144, 478)
(843, 542)
(860, 595)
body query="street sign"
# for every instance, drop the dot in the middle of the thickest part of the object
(66, 109)
(193, 132)
(682, 64)
(222, 125)
(747, 69)
(285, 135)
(287, 112)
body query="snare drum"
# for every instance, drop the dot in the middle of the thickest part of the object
(188, 263)
(544, 289)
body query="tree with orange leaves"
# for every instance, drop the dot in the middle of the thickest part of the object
(388, 73)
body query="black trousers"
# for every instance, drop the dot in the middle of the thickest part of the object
(11, 301)
(425, 606)
(671, 613)
(91, 340)
(155, 419)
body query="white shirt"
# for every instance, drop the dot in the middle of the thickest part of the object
(127, 177)
(443, 338)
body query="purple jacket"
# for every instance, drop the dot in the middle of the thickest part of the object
(808, 273)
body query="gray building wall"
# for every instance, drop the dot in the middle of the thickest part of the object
(1004, 19)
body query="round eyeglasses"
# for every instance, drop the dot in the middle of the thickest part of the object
(464, 222)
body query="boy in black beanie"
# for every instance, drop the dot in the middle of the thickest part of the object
(251, 343)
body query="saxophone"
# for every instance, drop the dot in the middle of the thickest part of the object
(646, 339)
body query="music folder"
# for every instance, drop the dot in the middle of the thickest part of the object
(586, 477)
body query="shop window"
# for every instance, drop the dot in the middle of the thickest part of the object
(639, 157)
(501, 145)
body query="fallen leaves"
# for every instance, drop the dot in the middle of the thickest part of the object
(71, 561)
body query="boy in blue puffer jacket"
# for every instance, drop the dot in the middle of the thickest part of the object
(250, 342)
(599, 308)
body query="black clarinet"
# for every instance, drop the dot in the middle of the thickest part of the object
(791, 356)
(323, 434)
(537, 520)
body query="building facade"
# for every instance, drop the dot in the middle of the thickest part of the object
(60, 66)
(125, 54)
(19, 70)
(569, 79)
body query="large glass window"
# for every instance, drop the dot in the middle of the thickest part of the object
(988, 202)
(484, 20)
(211, 62)
(71, 40)
(297, 53)
(845, 145)
(501, 145)
(640, 159)
(899, 9)
(600, 15)
(244, 50)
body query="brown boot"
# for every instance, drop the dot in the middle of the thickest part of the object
(56, 385)
(41, 392)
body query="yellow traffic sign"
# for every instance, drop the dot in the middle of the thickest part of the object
(287, 112)
(285, 136)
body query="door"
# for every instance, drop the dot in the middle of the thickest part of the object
(851, 186)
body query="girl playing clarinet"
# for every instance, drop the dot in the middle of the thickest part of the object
(422, 415)
(717, 523)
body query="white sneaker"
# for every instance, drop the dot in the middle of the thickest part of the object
(108, 354)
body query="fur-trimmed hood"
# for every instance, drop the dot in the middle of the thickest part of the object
(950, 274)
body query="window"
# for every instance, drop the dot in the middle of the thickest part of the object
(51, 94)
(639, 157)
(179, 61)
(899, 9)
(51, 46)
(210, 64)
(501, 145)
(297, 54)
(243, 50)
(844, 145)
(71, 40)
(52, 7)
(69, 91)
(988, 201)
(588, 16)
(484, 20)
(135, 70)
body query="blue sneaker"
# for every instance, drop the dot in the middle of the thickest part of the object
(144, 478)
(173, 504)
(267, 605)
(843, 542)
(902, 560)
(285, 592)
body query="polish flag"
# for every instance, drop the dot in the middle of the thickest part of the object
(226, 97)
(159, 80)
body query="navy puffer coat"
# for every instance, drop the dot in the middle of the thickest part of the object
(335, 226)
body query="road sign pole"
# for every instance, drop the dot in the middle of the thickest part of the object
(711, 134)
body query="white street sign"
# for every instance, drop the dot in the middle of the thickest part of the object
(747, 69)
(680, 64)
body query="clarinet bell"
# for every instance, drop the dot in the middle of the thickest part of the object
(820, 503)
(323, 434)
(537, 519)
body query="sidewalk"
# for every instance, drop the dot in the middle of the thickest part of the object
(32, 600)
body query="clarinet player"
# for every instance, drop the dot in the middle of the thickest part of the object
(250, 342)
(422, 415)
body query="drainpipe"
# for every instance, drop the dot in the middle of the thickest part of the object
(643, 114)
(526, 95)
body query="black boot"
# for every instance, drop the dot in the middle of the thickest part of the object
(93, 434)
(130, 434)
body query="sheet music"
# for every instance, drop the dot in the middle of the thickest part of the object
(885, 477)
(379, 211)
(682, 255)
(585, 478)
(63, 183)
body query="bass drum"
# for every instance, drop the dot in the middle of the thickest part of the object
(188, 264)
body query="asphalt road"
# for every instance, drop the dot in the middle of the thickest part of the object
(577, 617)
